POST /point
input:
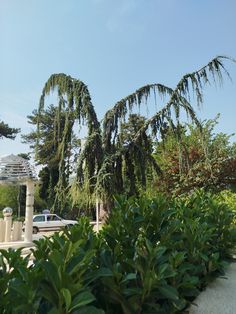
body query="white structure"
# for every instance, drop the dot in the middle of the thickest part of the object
(17, 170)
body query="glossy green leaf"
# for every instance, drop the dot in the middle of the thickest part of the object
(82, 299)
(169, 292)
(67, 297)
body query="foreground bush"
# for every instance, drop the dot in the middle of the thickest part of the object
(152, 256)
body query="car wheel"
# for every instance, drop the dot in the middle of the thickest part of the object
(35, 230)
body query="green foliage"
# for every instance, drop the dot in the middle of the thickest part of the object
(13, 196)
(60, 279)
(107, 160)
(172, 247)
(81, 199)
(39, 202)
(24, 155)
(152, 256)
(7, 132)
(202, 159)
(137, 163)
(75, 106)
(46, 140)
(229, 198)
(8, 197)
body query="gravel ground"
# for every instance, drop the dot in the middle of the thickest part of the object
(219, 297)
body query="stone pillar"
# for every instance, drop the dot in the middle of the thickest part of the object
(17, 231)
(7, 213)
(29, 211)
(2, 230)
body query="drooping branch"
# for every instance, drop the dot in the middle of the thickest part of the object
(213, 71)
(74, 102)
(120, 109)
(91, 158)
(168, 115)
(178, 99)
(73, 96)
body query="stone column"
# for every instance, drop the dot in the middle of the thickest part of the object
(7, 213)
(17, 231)
(2, 230)
(29, 210)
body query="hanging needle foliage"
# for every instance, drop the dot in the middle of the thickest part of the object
(75, 103)
(107, 163)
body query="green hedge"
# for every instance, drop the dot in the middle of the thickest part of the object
(152, 256)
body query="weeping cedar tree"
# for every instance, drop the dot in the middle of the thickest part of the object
(106, 161)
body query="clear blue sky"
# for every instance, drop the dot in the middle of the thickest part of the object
(114, 46)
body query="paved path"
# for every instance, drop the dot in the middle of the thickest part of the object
(219, 297)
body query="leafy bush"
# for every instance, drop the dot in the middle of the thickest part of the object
(152, 256)
(60, 279)
(229, 198)
(172, 247)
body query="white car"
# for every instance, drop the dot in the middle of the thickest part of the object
(50, 222)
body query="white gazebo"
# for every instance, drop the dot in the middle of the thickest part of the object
(17, 170)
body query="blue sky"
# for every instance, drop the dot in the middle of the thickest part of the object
(113, 46)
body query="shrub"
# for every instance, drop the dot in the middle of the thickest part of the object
(167, 248)
(60, 279)
(152, 256)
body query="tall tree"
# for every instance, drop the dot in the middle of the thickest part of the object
(47, 140)
(102, 160)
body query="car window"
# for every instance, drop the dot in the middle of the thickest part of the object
(52, 218)
(49, 217)
(39, 218)
(55, 217)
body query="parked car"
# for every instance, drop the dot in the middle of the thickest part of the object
(50, 222)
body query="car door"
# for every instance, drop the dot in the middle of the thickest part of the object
(54, 222)
(39, 221)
